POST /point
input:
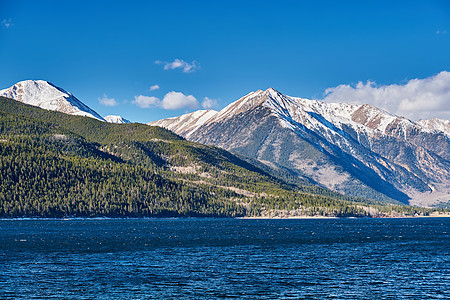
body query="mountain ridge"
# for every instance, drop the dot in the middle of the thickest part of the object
(389, 154)
(359, 150)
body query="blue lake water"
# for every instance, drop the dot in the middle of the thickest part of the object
(225, 258)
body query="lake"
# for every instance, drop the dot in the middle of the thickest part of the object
(225, 258)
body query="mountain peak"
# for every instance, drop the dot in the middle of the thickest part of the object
(272, 90)
(116, 119)
(32, 85)
(48, 96)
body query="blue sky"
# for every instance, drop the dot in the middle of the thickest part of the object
(220, 51)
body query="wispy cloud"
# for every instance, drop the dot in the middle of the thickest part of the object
(417, 99)
(171, 101)
(107, 101)
(7, 23)
(208, 103)
(154, 87)
(441, 32)
(179, 63)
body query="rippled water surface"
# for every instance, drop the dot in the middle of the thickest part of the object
(225, 258)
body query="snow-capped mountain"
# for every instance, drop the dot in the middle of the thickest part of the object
(45, 95)
(355, 149)
(116, 119)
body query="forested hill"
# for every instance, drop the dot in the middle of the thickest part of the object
(57, 165)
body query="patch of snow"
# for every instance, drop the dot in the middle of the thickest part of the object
(186, 123)
(243, 104)
(116, 119)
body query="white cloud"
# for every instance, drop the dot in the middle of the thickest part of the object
(154, 87)
(179, 63)
(417, 99)
(208, 103)
(107, 101)
(176, 100)
(171, 101)
(7, 23)
(145, 101)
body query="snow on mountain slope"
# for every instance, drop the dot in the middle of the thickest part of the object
(187, 123)
(45, 95)
(436, 125)
(116, 119)
(315, 114)
(345, 147)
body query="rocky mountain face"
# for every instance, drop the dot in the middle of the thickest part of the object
(358, 150)
(116, 119)
(45, 95)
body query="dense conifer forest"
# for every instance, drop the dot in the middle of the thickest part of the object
(57, 165)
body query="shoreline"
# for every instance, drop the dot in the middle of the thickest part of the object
(295, 218)
(218, 218)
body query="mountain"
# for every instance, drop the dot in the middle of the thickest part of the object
(56, 165)
(116, 119)
(45, 95)
(358, 150)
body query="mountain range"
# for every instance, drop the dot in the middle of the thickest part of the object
(357, 150)
(54, 164)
